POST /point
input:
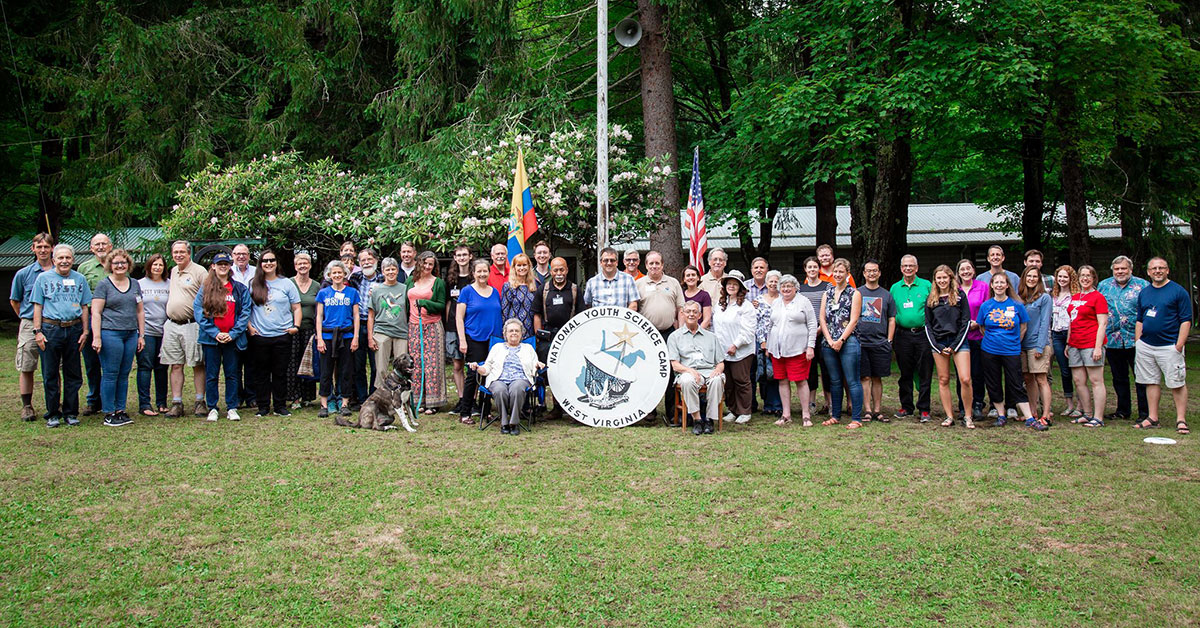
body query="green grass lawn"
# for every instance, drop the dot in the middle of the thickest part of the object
(297, 522)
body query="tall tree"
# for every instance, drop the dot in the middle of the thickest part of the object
(658, 118)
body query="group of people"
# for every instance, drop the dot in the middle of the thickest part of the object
(730, 338)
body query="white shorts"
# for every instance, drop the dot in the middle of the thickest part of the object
(1154, 364)
(180, 344)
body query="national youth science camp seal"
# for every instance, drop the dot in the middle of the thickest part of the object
(608, 367)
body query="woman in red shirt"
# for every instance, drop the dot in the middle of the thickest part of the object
(222, 309)
(1085, 346)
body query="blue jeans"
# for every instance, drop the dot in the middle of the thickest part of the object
(1059, 340)
(768, 387)
(216, 357)
(117, 348)
(91, 365)
(843, 371)
(148, 364)
(62, 351)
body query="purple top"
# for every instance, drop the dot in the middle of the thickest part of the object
(702, 297)
(977, 293)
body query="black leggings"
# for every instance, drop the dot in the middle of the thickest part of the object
(1013, 389)
(477, 351)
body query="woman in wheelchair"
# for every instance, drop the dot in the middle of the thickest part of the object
(509, 370)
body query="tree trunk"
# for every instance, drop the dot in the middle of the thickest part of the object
(1033, 165)
(825, 199)
(658, 118)
(1076, 205)
(1071, 168)
(887, 230)
(862, 198)
(1132, 201)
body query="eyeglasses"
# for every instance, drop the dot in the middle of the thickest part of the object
(267, 260)
(116, 264)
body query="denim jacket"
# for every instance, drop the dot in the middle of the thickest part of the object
(208, 330)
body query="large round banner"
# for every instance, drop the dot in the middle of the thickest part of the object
(608, 367)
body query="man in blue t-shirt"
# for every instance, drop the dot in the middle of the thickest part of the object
(1164, 319)
(60, 306)
(22, 304)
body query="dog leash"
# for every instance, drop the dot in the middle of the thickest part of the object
(421, 333)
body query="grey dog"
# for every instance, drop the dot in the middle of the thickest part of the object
(392, 398)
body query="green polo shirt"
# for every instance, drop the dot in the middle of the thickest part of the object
(910, 302)
(93, 271)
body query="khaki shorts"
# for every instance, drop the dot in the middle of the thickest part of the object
(1033, 365)
(1152, 364)
(179, 344)
(27, 348)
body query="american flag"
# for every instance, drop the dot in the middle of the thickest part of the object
(694, 220)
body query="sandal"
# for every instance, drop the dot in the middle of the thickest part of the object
(1093, 422)
(829, 422)
(807, 422)
(949, 422)
(1146, 424)
(1081, 420)
(148, 412)
(1181, 427)
(429, 411)
(854, 425)
(1073, 414)
(787, 420)
(882, 418)
(466, 420)
(968, 423)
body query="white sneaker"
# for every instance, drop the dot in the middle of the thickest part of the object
(212, 415)
(232, 415)
(1012, 414)
(744, 418)
(992, 413)
(728, 418)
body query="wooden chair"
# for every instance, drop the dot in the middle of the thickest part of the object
(681, 414)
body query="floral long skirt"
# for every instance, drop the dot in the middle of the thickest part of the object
(432, 349)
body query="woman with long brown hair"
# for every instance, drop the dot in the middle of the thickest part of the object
(1066, 284)
(426, 294)
(947, 321)
(222, 309)
(155, 289)
(274, 319)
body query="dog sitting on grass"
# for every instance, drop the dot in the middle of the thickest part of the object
(392, 398)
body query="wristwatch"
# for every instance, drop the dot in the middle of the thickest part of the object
(38, 331)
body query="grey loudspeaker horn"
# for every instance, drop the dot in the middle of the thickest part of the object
(628, 32)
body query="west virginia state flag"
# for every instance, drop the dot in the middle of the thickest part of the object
(522, 222)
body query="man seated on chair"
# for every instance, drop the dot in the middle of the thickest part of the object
(696, 358)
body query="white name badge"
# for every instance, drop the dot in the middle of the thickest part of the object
(454, 293)
(1152, 312)
(908, 305)
(556, 300)
(68, 282)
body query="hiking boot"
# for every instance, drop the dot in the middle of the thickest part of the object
(28, 413)
(176, 411)
(200, 409)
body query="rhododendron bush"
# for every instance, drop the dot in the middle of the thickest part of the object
(289, 202)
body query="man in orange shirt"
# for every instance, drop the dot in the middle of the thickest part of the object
(633, 259)
(825, 259)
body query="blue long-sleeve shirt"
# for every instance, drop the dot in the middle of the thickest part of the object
(1037, 332)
